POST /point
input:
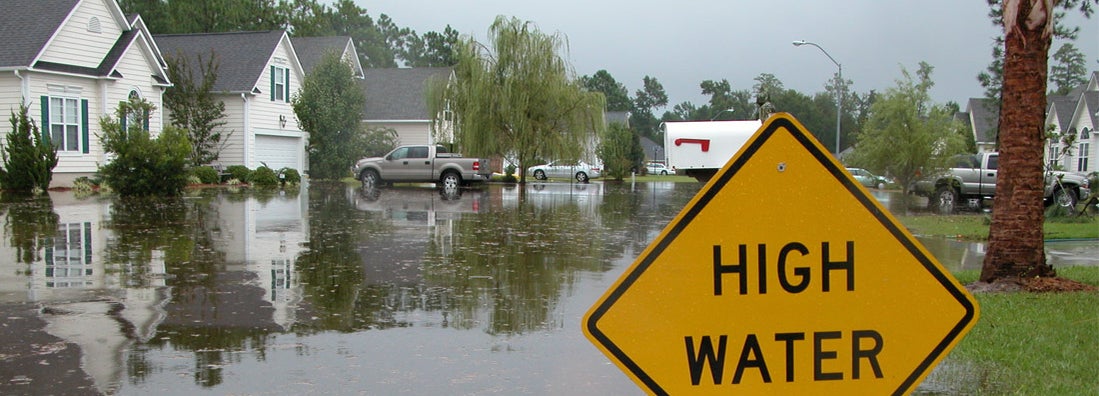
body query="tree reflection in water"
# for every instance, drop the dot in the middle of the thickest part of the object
(30, 223)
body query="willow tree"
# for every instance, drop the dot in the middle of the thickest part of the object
(519, 99)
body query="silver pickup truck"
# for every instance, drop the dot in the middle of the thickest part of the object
(421, 164)
(972, 179)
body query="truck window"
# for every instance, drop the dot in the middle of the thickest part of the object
(993, 162)
(400, 153)
(440, 150)
(417, 152)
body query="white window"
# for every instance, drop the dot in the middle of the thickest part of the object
(1082, 159)
(68, 260)
(279, 82)
(65, 123)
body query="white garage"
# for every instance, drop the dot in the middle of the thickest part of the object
(280, 152)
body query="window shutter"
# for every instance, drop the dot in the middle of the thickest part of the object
(286, 83)
(145, 121)
(123, 120)
(45, 122)
(273, 70)
(87, 242)
(85, 135)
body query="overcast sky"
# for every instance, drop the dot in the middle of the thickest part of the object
(682, 43)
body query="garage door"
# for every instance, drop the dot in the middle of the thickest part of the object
(279, 151)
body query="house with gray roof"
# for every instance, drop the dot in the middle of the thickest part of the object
(71, 62)
(396, 98)
(257, 73)
(982, 116)
(1072, 120)
(311, 51)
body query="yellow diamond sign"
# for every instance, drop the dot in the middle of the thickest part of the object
(782, 276)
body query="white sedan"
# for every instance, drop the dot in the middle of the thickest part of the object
(579, 170)
(656, 168)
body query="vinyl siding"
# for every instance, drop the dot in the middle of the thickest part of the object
(9, 102)
(75, 45)
(80, 88)
(408, 132)
(137, 70)
(233, 152)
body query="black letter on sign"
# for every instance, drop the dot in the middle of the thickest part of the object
(789, 338)
(741, 268)
(869, 354)
(848, 265)
(706, 351)
(803, 272)
(819, 355)
(751, 345)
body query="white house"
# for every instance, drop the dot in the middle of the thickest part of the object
(1077, 115)
(71, 62)
(258, 72)
(396, 99)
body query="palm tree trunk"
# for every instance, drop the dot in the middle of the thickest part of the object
(1016, 247)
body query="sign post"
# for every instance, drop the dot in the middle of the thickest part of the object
(782, 276)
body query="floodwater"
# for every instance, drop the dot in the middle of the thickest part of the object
(327, 289)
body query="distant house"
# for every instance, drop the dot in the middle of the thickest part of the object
(982, 117)
(311, 51)
(1074, 114)
(396, 98)
(72, 62)
(258, 72)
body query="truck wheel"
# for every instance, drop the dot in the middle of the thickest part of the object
(450, 181)
(370, 178)
(944, 200)
(581, 177)
(540, 174)
(1065, 198)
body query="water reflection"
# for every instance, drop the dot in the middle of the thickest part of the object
(329, 289)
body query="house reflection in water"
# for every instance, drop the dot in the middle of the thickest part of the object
(105, 281)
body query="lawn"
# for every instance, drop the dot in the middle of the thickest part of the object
(975, 227)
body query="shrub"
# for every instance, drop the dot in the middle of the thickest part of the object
(143, 165)
(206, 174)
(290, 176)
(265, 177)
(239, 172)
(28, 159)
(509, 174)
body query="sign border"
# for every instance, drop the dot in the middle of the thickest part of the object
(768, 130)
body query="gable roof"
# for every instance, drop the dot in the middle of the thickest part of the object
(985, 118)
(1091, 107)
(1061, 107)
(241, 56)
(397, 94)
(27, 25)
(312, 49)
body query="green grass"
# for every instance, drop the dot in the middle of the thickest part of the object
(1030, 343)
(975, 227)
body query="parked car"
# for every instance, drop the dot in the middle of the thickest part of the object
(569, 169)
(971, 180)
(421, 163)
(656, 168)
(868, 179)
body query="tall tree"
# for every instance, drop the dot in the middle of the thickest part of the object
(908, 134)
(646, 100)
(193, 107)
(1016, 246)
(433, 49)
(330, 107)
(517, 98)
(1069, 71)
(992, 79)
(618, 98)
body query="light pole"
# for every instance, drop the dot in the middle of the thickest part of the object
(839, 89)
(721, 112)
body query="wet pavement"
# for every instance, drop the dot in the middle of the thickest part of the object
(331, 289)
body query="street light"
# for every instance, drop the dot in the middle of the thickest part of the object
(721, 112)
(839, 90)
